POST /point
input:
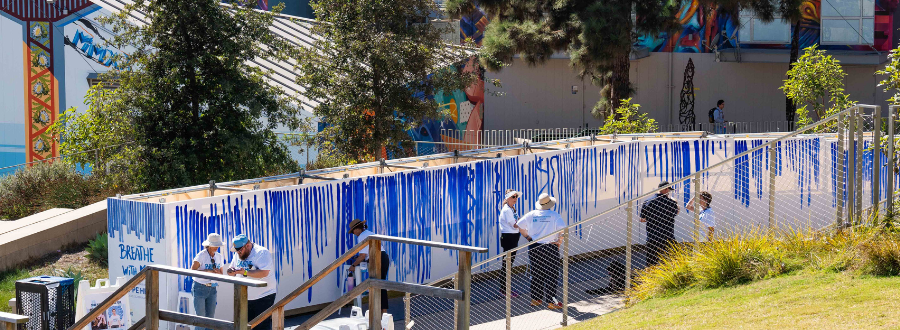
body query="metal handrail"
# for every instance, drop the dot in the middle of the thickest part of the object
(637, 199)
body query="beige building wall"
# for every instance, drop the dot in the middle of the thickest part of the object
(541, 96)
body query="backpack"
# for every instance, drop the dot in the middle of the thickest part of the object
(712, 115)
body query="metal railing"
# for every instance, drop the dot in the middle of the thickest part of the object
(757, 189)
(732, 127)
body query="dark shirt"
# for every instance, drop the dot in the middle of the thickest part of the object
(660, 212)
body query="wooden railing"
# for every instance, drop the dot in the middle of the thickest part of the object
(11, 321)
(150, 276)
(461, 294)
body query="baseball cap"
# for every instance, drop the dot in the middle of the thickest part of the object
(238, 242)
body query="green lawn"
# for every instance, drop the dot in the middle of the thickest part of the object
(54, 264)
(806, 301)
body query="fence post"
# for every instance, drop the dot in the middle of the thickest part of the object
(860, 146)
(278, 318)
(565, 278)
(212, 188)
(465, 285)
(375, 293)
(772, 169)
(628, 243)
(456, 303)
(508, 275)
(839, 221)
(876, 162)
(851, 160)
(696, 183)
(890, 160)
(151, 292)
(407, 313)
(240, 308)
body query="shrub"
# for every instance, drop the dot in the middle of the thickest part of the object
(881, 255)
(97, 249)
(49, 185)
(74, 274)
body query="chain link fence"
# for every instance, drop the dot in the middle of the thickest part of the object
(826, 175)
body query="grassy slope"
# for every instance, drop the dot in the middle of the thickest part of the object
(49, 265)
(806, 301)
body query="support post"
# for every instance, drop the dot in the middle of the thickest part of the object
(465, 285)
(628, 243)
(375, 293)
(151, 292)
(407, 313)
(851, 160)
(696, 183)
(278, 318)
(890, 161)
(508, 261)
(772, 172)
(876, 158)
(240, 308)
(860, 147)
(839, 217)
(565, 277)
(212, 188)
(456, 303)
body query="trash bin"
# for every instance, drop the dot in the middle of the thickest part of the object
(48, 301)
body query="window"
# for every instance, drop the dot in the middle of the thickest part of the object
(848, 22)
(754, 30)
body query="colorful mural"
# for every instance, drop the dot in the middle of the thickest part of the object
(472, 26)
(701, 26)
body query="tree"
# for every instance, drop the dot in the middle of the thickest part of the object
(628, 120)
(189, 107)
(374, 68)
(816, 81)
(597, 34)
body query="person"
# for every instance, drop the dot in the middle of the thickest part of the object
(254, 261)
(659, 213)
(509, 231)
(545, 260)
(359, 228)
(718, 117)
(115, 321)
(204, 291)
(99, 322)
(707, 216)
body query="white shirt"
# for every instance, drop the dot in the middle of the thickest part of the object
(115, 321)
(708, 217)
(207, 263)
(365, 233)
(540, 223)
(259, 259)
(508, 219)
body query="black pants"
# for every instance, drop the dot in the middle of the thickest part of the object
(258, 306)
(508, 242)
(545, 267)
(385, 265)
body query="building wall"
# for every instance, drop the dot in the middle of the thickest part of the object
(541, 96)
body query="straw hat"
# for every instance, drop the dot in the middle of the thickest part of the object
(354, 224)
(214, 240)
(545, 202)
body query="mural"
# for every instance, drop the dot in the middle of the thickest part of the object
(305, 226)
(472, 26)
(702, 25)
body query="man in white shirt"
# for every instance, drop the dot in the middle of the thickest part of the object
(361, 230)
(544, 254)
(707, 216)
(254, 261)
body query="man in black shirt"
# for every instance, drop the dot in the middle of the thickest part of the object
(659, 213)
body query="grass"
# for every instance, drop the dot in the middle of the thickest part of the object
(56, 264)
(799, 301)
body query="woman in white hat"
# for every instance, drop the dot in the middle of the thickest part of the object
(204, 291)
(541, 224)
(509, 231)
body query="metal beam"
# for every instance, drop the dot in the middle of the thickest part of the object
(195, 320)
(425, 290)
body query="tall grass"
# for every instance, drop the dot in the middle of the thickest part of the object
(745, 257)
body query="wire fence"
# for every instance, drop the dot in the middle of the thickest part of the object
(826, 177)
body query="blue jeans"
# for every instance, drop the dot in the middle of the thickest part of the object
(204, 301)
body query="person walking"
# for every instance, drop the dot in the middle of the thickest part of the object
(204, 291)
(544, 255)
(717, 117)
(707, 216)
(509, 231)
(254, 261)
(659, 213)
(361, 231)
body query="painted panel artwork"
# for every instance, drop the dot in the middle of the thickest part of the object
(305, 226)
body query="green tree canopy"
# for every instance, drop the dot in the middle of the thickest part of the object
(816, 80)
(189, 108)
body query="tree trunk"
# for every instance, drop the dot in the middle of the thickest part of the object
(621, 82)
(790, 107)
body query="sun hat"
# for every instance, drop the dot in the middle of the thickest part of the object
(545, 202)
(511, 194)
(214, 240)
(238, 242)
(355, 223)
